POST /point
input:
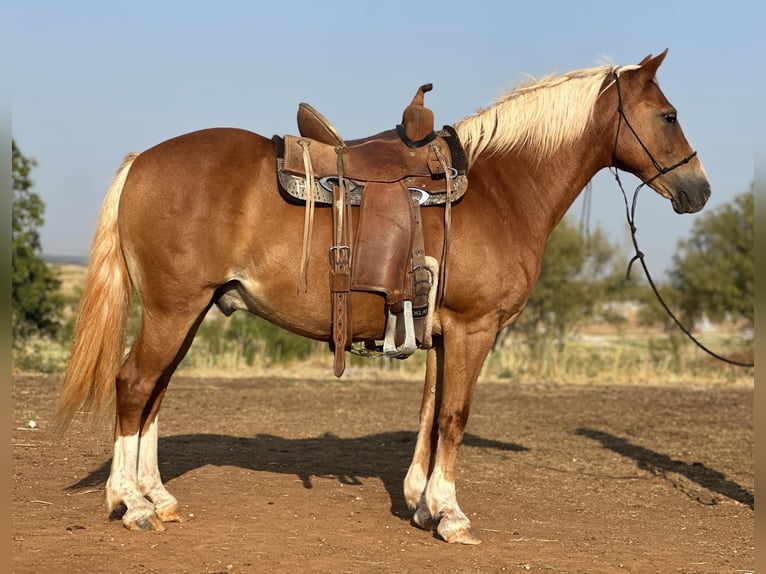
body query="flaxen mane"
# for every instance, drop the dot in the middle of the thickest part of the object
(540, 115)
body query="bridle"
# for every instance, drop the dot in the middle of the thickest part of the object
(622, 118)
(631, 212)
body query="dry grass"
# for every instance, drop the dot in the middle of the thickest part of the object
(638, 358)
(72, 279)
(595, 356)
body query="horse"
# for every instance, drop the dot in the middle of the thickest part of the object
(197, 221)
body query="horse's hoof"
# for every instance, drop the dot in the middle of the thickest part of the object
(171, 514)
(461, 536)
(146, 524)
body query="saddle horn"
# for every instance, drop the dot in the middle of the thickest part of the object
(418, 120)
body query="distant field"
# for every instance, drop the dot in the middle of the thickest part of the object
(595, 353)
(80, 261)
(72, 279)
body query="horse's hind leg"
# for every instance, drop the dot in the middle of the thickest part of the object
(134, 480)
(417, 476)
(149, 479)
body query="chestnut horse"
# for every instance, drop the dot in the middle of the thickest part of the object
(197, 220)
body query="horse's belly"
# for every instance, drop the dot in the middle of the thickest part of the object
(305, 313)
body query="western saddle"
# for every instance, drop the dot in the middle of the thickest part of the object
(390, 176)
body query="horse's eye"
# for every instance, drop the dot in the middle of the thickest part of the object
(670, 118)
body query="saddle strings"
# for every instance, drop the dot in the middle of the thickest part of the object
(308, 217)
(343, 211)
(442, 288)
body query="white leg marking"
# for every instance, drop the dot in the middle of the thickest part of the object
(440, 494)
(113, 494)
(453, 524)
(149, 479)
(414, 485)
(122, 486)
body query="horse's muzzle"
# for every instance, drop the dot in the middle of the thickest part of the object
(689, 194)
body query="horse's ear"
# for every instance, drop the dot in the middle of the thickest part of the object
(650, 64)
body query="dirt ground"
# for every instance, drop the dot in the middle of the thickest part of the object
(305, 476)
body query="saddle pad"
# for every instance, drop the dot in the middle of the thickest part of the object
(293, 188)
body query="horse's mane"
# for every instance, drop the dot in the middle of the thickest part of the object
(539, 115)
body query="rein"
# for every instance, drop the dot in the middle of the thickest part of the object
(630, 212)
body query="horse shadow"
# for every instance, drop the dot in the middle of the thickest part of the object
(661, 464)
(384, 455)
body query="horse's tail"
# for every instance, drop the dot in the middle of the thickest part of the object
(99, 337)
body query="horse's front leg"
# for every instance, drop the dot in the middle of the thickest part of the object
(465, 349)
(417, 476)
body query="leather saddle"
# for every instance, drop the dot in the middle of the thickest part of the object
(390, 176)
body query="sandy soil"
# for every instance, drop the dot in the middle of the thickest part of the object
(305, 476)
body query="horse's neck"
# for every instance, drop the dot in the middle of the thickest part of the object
(562, 179)
(541, 190)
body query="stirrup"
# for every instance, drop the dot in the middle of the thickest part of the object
(410, 344)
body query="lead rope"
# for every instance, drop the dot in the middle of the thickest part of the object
(630, 212)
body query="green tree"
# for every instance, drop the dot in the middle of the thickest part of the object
(714, 268)
(34, 300)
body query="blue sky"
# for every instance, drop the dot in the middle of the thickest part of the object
(92, 81)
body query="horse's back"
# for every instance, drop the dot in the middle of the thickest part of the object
(216, 155)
